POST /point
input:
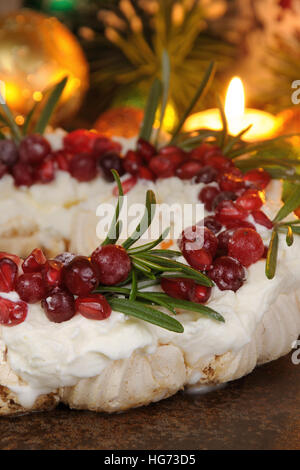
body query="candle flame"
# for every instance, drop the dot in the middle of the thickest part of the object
(235, 104)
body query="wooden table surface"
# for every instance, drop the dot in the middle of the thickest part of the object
(260, 411)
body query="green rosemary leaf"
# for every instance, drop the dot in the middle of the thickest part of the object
(115, 228)
(284, 224)
(295, 229)
(272, 256)
(9, 120)
(149, 246)
(29, 118)
(151, 315)
(289, 236)
(235, 139)
(157, 300)
(265, 144)
(208, 76)
(151, 264)
(223, 136)
(52, 101)
(166, 70)
(166, 253)
(133, 291)
(292, 202)
(143, 269)
(150, 111)
(145, 221)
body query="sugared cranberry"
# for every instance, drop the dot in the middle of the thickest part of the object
(80, 141)
(145, 173)
(240, 224)
(8, 274)
(102, 145)
(52, 273)
(112, 263)
(45, 172)
(207, 195)
(173, 150)
(203, 151)
(63, 159)
(127, 185)
(262, 219)
(12, 313)
(259, 178)
(59, 306)
(227, 273)
(111, 161)
(8, 152)
(31, 287)
(34, 149)
(80, 276)
(223, 196)
(35, 262)
(218, 162)
(246, 246)
(211, 223)
(65, 258)
(93, 306)
(23, 174)
(227, 212)
(223, 241)
(231, 180)
(188, 169)
(199, 294)
(132, 162)
(145, 149)
(197, 237)
(250, 200)
(163, 166)
(83, 167)
(179, 288)
(207, 174)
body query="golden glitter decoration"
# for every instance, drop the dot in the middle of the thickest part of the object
(36, 52)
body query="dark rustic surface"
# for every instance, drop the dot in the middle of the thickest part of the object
(260, 411)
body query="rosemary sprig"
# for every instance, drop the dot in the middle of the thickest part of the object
(151, 107)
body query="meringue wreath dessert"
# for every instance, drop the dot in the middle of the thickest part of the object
(110, 325)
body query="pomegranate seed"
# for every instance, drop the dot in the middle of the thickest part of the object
(207, 195)
(65, 258)
(246, 246)
(211, 223)
(83, 167)
(178, 288)
(259, 177)
(59, 306)
(35, 262)
(63, 159)
(188, 170)
(223, 196)
(8, 274)
(18, 261)
(80, 141)
(111, 161)
(145, 173)
(227, 273)
(31, 287)
(145, 149)
(23, 174)
(226, 212)
(8, 152)
(132, 162)
(198, 259)
(93, 306)
(199, 294)
(45, 172)
(3, 169)
(231, 181)
(80, 276)
(102, 145)
(52, 273)
(112, 263)
(250, 200)
(207, 174)
(262, 219)
(34, 149)
(127, 185)
(12, 313)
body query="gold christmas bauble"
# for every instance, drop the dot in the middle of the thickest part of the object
(36, 51)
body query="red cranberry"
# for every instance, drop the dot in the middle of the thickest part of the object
(240, 224)
(34, 149)
(8, 274)
(12, 313)
(207, 195)
(227, 273)
(227, 212)
(178, 288)
(246, 246)
(231, 180)
(164, 166)
(223, 196)
(173, 150)
(65, 258)
(127, 185)
(83, 167)
(188, 169)
(112, 263)
(35, 262)
(206, 175)
(59, 306)
(45, 172)
(223, 241)
(8, 152)
(80, 141)
(262, 219)
(31, 287)
(211, 223)
(250, 200)
(204, 150)
(23, 174)
(102, 145)
(80, 276)
(111, 161)
(145, 174)
(145, 149)
(199, 259)
(218, 162)
(259, 178)
(199, 294)
(93, 306)
(52, 273)
(132, 162)
(196, 237)
(63, 159)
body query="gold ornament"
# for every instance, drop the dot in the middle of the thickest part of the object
(124, 121)
(36, 52)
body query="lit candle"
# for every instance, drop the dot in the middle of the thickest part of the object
(263, 124)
